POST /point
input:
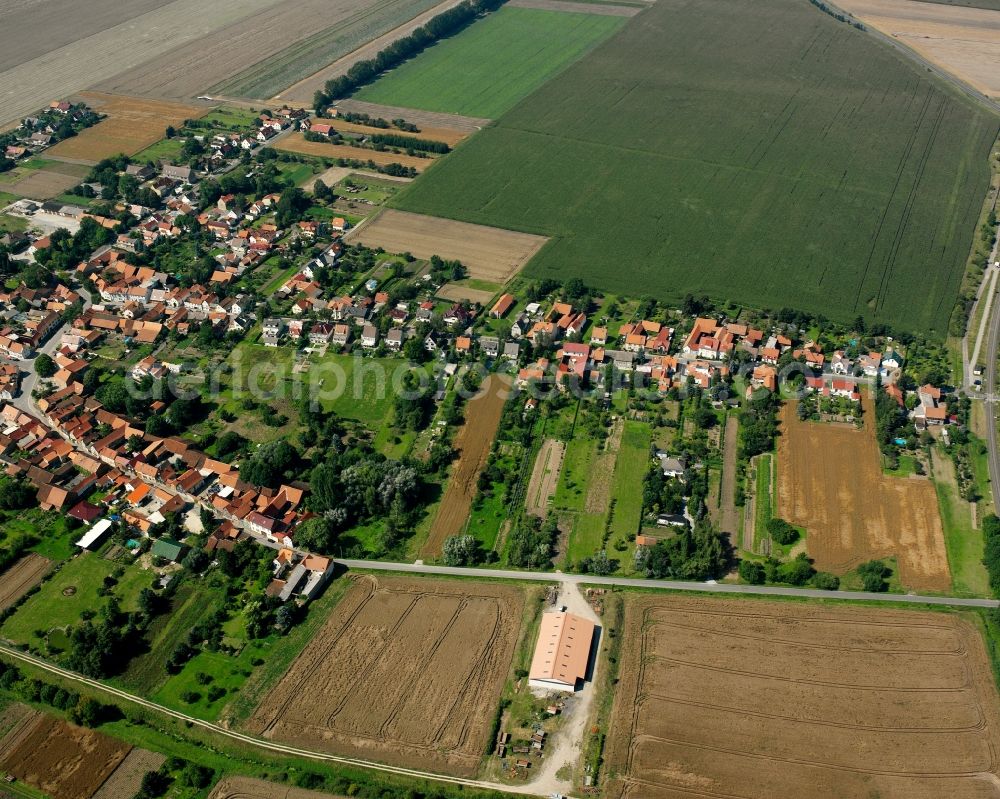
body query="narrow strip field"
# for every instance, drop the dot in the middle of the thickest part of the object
(249, 788)
(758, 699)
(544, 476)
(317, 32)
(473, 442)
(296, 143)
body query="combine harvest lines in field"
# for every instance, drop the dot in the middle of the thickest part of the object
(830, 482)
(410, 672)
(760, 699)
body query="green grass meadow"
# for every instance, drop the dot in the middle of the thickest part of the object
(792, 161)
(51, 607)
(487, 68)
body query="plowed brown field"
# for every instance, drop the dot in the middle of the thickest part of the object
(489, 253)
(405, 671)
(20, 578)
(133, 124)
(473, 442)
(757, 700)
(62, 760)
(830, 482)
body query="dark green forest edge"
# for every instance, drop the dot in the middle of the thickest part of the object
(854, 189)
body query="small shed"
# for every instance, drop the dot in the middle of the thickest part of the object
(168, 549)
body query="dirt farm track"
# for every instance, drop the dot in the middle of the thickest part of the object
(758, 699)
(830, 482)
(405, 671)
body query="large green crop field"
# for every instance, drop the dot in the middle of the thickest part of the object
(762, 152)
(486, 69)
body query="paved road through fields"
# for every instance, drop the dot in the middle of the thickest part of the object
(672, 585)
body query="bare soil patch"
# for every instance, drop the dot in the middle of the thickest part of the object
(489, 253)
(722, 698)
(63, 760)
(127, 778)
(603, 9)
(545, 476)
(473, 442)
(457, 293)
(20, 578)
(404, 671)
(830, 482)
(249, 788)
(41, 184)
(133, 124)
(962, 41)
(422, 119)
(296, 143)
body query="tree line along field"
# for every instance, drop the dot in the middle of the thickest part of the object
(795, 161)
(494, 63)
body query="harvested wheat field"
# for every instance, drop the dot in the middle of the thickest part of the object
(756, 699)
(133, 124)
(473, 443)
(20, 578)
(72, 46)
(544, 476)
(127, 778)
(249, 788)
(63, 760)
(830, 482)
(404, 671)
(489, 253)
(41, 184)
(962, 41)
(296, 143)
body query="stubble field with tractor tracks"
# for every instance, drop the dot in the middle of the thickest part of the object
(758, 699)
(830, 482)
(408, 672)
